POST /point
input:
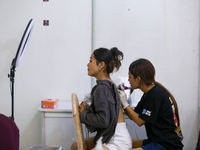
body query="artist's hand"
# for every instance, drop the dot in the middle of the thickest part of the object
(123, 99)
(121, 86)
(81, 107)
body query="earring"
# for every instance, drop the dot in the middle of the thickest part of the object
(100, 69)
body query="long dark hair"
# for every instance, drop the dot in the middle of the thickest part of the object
(146, 71)
(112, 58)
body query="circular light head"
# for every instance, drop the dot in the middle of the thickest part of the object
(24, 42)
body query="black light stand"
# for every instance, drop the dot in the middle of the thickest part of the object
(16, 61)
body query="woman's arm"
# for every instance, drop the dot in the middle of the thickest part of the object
(100, 116)
(100, 119)
(134, 116)
(129, 111)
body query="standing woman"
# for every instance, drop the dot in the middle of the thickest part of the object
(105, 115)
(154, 110)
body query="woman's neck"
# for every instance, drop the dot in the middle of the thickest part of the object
(109, 79)
(103, 77)
(145, 88)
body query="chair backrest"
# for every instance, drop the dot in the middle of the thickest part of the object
(79, 133)
(9, 134)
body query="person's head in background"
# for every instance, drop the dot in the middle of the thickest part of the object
(142, 74)
(103, 62)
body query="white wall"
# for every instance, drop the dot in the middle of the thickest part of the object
(54, 64)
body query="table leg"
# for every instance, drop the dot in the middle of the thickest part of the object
(43, 128)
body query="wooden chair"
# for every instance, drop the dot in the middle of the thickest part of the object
(79, 133)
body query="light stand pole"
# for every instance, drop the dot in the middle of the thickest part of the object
(12, 80)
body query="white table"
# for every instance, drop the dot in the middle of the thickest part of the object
(58, 126)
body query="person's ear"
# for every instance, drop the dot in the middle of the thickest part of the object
(102, 65)
(138, 79)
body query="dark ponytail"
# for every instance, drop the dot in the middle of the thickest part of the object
(173, 100)
(112, 58)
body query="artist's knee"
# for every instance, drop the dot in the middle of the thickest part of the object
(137, 143)
(74, 146)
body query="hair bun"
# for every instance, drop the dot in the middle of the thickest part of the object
(118, 55)
(119, 58)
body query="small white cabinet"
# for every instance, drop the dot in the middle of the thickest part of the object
(58, 125)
